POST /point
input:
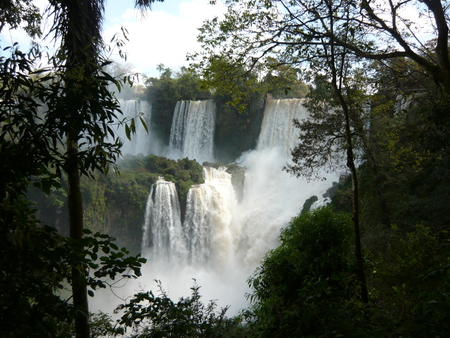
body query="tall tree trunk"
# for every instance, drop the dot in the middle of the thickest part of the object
(355, 192)
(81, 42)
(75, 209)
(80, 29)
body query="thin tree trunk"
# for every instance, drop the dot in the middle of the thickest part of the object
(355, 192)
(81, 27)
(355, 187)
(338, 69)
(355, 213)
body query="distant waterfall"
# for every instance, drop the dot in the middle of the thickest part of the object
(163, 240)
(277, 129)
(192, 131)
(140, 142)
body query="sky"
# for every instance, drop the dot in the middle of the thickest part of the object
(163, 35)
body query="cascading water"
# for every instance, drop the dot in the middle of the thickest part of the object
(209, 212)
(222, 239)
(141, 141)
(277, 128)
(163, 240)
(192, 131)
(271, 196)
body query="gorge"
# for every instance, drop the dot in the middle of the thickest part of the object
(223, 235)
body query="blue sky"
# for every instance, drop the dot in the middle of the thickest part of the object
(115, 8)
(163, 35)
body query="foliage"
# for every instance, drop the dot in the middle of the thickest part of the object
(323, 140)
(20, 13)
(36, 262)
(405, 173)
(234, 81)
(24, 141)
(259, 34)
(303, 286)
(237, 130)
(283, 82)
(102, 325)
(164, 92)
(58, 120)
(308, 203)
(129, 90)
(408, 262)
(341, 195)
(410, 283)
(158, 316)
(31, 258)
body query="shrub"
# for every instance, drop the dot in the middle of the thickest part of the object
(301, 287)
(158, 316)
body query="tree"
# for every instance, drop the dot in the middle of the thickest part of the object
(304, 33)
(20, 13)
(88, 109)
(301, 287)
(72, 134)
(252, 31)
(338, 67)
(158, 316)
(124, 71)
(284, 82)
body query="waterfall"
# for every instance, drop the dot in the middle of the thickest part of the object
(141, 141)
(163, 240)
(277, 129)
(222, 240)
(192, 131)
(205, 237)
(208, 216)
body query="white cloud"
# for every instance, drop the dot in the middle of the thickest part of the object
(154, 36)
(11, 36)
(159, 37)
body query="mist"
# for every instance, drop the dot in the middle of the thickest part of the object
(223, 238)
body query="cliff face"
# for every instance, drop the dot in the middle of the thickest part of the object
(115, 204)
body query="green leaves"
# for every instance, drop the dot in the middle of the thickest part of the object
(28, 144)
(159, 316)
(34, 269)
(24, 14)
(307, 278)
(129, 129)
(98, 253)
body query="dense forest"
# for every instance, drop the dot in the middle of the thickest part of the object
(373, 262)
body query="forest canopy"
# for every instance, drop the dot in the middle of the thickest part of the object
(375, 76)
